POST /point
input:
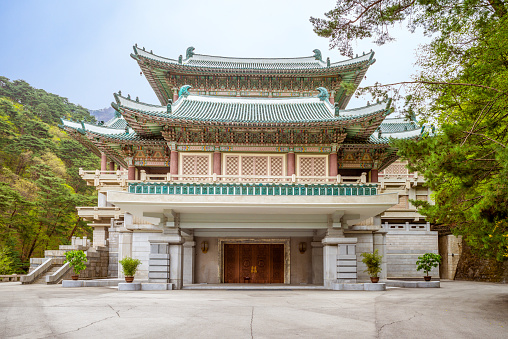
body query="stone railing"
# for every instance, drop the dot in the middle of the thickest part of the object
(362, 179)
(253, 189)
(119, 178)
(11, 277)
(60, 274)
(36, 273)
(96, 212)
(406, 227)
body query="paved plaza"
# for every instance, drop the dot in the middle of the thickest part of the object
(456, 310)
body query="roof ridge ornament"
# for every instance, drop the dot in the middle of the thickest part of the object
(189, 53)
(184, 90)
(323, 93)
(317, 55)
(337, 109)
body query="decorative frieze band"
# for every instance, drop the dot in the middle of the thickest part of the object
(254, 189)
(277, 149)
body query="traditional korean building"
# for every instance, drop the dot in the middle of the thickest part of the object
(253, 171)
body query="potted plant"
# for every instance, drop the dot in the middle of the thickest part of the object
(129, 268)
(426, 262)
(373, 262)
(77, 260)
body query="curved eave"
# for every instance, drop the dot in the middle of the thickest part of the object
(148, 120)
(184, 67)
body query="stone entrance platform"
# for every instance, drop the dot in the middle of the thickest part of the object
(275, 287)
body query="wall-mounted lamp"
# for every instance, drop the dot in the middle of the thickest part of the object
(302, 247)
(204, 246)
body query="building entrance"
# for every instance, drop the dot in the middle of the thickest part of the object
(254, 263)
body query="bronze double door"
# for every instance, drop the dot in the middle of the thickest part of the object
(254, 263)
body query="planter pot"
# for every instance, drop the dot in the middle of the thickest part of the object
(427, 278)
(129, 279)
(374, 279)
(74, 277)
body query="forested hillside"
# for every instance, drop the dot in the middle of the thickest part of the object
(39, 182)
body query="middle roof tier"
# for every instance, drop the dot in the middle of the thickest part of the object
(193, 111)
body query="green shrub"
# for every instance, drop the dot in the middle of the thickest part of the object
(129, 266)
(427, 261)
(373, 262)
(77, 260)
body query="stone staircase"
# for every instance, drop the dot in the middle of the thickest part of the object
(51, 271)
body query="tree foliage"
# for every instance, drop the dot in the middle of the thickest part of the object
(462, 89)
(39, 182)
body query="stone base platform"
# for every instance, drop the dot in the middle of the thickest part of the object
(92, 283)
(251, 287)
(359, 287)
(413, 284)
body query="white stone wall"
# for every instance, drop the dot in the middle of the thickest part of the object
(403, 249)
(364, 244)
(141, 251)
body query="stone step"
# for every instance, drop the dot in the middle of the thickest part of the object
(42, 278)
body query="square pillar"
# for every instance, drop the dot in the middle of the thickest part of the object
(217, 163)
(379, 242)
(189, 248)
(317, 261)
(166, 259)
(124, 247)
(100, 235)
(339, 260)
(158, 262)
(291, 163)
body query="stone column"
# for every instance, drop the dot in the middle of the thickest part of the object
(332, 97)
(333, 165)
(217, 163)
(317, 261)
(124, 247)
(379, 244)
(373, 175)
(291, 163)
(111, 165)
(131, 173)
(104, 162)
(173, 162)
(189, 248)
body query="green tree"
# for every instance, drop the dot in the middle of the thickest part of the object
(462, 89)
(39, 182)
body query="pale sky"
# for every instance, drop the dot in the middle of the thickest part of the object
(81, 49)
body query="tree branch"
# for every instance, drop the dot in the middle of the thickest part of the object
(437, 83)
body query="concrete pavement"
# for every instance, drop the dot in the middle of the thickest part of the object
(456, 310)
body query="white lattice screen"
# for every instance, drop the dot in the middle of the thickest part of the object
(276, 166)
(312, 166)
(195, 164)
(397, 168)
(258, 165)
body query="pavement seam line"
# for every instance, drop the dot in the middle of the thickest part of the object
(251, 319)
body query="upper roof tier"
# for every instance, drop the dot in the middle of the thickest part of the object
(251, 77)
(314, 62)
